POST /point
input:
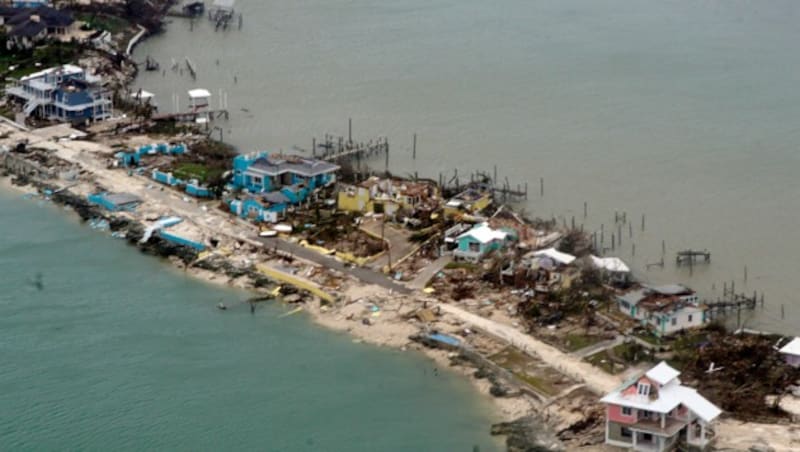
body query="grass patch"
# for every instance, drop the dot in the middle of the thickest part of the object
(465, 265)
(602, 360)
(105, 22)
(197, 171)
(538, 383)
(578, 341)
(649, 337)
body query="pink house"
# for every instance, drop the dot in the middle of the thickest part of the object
(654, 412)
(791, 352)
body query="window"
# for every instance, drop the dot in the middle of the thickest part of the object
(475, 247)
(257, 180)
(625, 432)
(690, 318)
(625, 304)
(674, 321)
(627, 411)
(648, 437)
(644, 389)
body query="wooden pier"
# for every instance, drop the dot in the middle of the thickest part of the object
(192, 116)
(691, 256)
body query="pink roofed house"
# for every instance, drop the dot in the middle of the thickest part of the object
(654, 412)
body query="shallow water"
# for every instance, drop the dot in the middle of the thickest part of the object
(678, 110)
(119, 351)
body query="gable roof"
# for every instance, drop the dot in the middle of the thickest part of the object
(792, 348)
(669, 289)
(554, 254)
(662, 374)
(670, 396)
(50, 17)
(484, 234)
(275, 197)
(279, 164)
(28, 29)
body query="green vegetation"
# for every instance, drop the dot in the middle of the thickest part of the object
(618, 358)
(538, 383)
(602, 360)
(25, 61)
(578, 341)
(105, 22)
(197, 171)
(649, 337)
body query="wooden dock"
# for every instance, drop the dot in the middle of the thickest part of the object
(691, 256)
(191, 116)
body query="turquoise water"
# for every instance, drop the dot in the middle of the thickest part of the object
(121, 352)
(680, 110)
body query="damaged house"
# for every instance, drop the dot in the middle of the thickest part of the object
(388, 196)
(664, 309)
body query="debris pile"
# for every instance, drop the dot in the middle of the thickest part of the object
(736, 372)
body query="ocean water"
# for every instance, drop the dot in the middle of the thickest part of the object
(678, 110)
(119, 351)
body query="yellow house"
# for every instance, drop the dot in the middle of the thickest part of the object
(385, 196)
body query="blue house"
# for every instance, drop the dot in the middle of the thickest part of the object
(265, 208)
(115, 202)
(264, 173)
(65, 93)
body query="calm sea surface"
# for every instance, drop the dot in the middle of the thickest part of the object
(121, 352)
(682, 111)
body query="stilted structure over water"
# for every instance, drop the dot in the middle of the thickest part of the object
(221, 13)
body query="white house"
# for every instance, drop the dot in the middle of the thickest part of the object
(791, 352)
(665, 309)
(654, 411)
(613, 268)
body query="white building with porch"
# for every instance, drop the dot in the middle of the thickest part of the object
(655, 412)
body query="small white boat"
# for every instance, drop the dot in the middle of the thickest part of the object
(285, 228)
(268, 233)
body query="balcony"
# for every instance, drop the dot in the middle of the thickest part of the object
(653, 426)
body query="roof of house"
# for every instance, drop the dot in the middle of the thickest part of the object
(669, 397)
(28, 29)
(484, 234)
(51, 17)
(8, 11)
(669, 289)
(554, 254)
(634, 297)
(199, 93)
(66, 69)
(275, 197)
(612, 264)
(662, 374)
(277, 165)
(121, 199)
(792, 348)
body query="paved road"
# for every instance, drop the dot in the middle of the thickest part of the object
(364, 274)
(399, 245)
(429, 272)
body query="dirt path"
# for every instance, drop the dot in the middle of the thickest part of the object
(597, 381)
